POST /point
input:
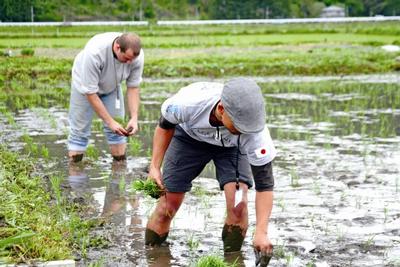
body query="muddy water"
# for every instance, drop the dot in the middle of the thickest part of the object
(337, 194)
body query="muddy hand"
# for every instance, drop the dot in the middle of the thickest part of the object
(132, 127)
(155, 174)
(117, 128)
(129, 130)
(262, 258)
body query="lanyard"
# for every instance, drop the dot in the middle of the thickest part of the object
(117, 83)
(237, 163)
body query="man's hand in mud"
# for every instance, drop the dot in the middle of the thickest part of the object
(263, 249)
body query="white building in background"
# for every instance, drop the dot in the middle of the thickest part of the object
(333, 12)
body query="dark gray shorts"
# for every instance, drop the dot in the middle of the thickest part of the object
(186, 158)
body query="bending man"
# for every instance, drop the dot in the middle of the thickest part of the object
(224, 123)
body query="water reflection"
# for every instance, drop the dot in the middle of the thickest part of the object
(117, 205)
(159, 256)
(78, 181)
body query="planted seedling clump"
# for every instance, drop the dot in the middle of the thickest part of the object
(148, 187)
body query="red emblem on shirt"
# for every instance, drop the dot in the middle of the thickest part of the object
(263, 151)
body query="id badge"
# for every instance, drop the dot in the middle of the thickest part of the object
(217, 136)
(117, 103)
(238, 196)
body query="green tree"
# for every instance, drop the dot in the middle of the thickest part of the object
(15, 10)
(392, 8)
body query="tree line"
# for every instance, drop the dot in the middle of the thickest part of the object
(90, 10)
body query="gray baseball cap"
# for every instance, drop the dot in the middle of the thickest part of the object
(243, 101)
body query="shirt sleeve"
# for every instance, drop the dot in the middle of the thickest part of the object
(91, 68)
(174, 110)
(263, 177)
(135, 76)
(259, 147)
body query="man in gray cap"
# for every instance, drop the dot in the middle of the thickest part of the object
(107, 60)
(221, 122)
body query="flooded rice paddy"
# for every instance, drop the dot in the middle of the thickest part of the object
(337, 176)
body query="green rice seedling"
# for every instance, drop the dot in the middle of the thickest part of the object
(199, 191)
(368, 243)
(385, 213)
(97, 125)
(27, 52)
(148, 187)
(10, 119)
(311, 263)
(33, 149)
(193, 243)
(316, 188)
(340, 234)
(279, 251)
(289, 258)
(45, 152)
(98, 263)
(281, 203)
(212, 261)
(294, 178)
(148, 152)
(134, 146)
(122, 184)
(92, 152)
(27, 139)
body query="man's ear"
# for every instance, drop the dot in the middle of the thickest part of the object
(220, 108)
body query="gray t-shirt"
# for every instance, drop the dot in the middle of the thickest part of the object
(191, 108)
(95, 69)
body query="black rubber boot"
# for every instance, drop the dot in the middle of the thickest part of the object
(153, 239)
(232, 237)
(77, 158)
(119, 158)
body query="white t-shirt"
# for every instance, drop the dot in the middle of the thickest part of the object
(95, 69)
(191, 108)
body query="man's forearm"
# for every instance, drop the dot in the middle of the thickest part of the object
(264, 201)
(161, 140)
(133, 95)
(99, 108)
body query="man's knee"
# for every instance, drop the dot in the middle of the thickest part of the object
(238, 213)
(164, 213)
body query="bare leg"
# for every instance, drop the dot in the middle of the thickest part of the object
(118, 151)
(159, 222)
(236, 222)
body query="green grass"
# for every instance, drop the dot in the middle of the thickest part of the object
(30, 229)
(239, 40)
(36, 225)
